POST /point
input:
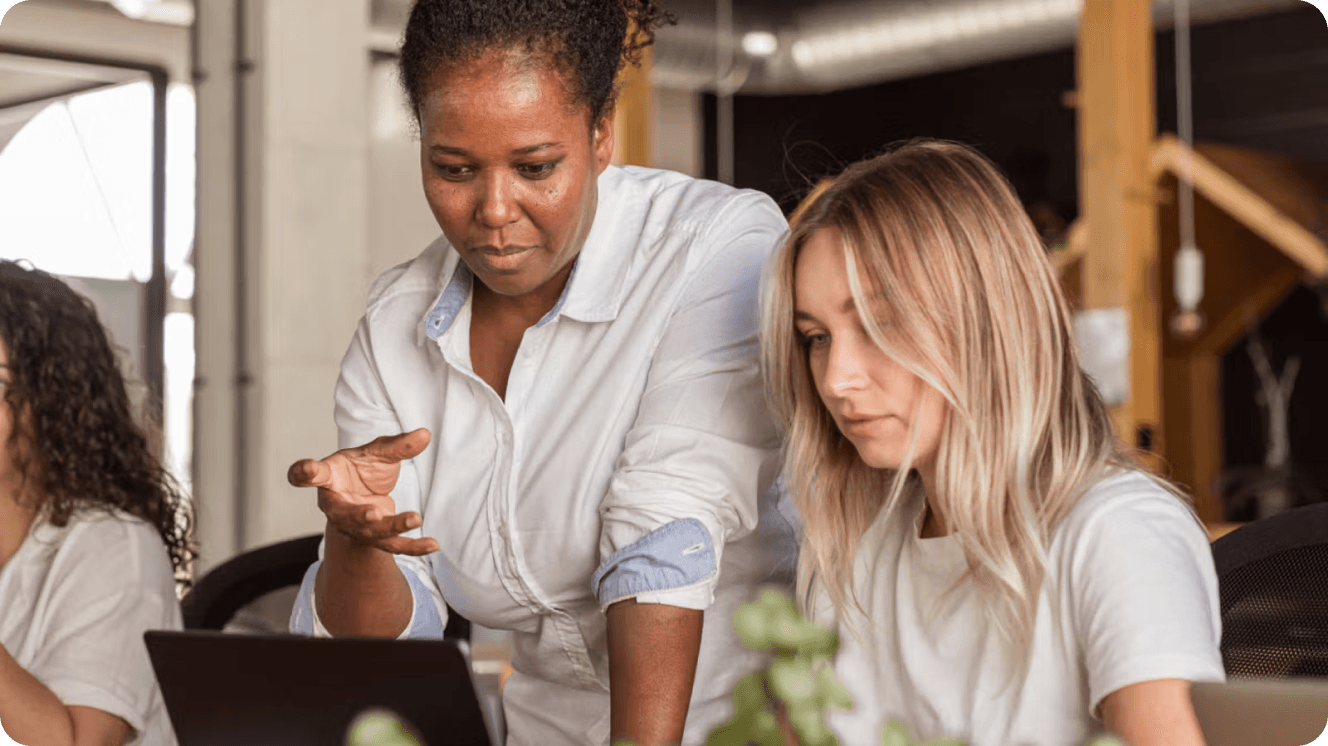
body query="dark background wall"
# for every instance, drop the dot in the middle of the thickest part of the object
(1258, 82)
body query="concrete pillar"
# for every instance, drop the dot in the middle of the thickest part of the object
(310, 257)
(283, 286)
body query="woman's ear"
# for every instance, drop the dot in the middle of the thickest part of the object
(604, 140)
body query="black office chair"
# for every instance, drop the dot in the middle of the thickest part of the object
(1273, 581)
(216, 599)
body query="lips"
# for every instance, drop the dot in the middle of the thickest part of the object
(504, 258)
(502, 250)
(860, 424)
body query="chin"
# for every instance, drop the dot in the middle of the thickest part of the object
(878, 457)
(507, 284)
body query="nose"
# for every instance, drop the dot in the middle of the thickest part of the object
(844, 372)
(497, 204)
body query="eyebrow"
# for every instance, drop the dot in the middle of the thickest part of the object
(846, 307)
(445, 150)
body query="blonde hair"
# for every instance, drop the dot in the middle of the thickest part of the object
(979, 314)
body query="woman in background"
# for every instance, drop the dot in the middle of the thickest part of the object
(1004, 572)
(93, 532)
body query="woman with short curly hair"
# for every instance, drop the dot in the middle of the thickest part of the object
(94, 534)
(552, 419)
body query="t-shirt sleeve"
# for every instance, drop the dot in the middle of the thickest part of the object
(113, 582)
(1143, 590)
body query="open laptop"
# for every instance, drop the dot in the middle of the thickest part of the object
(286, 690)
(1291, 712)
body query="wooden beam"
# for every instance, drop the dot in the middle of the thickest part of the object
(1076, 245)
(1116, 132)
(1194, 422)
(633, 124)
(1297, 189)
(1258, 302)
(1245, 205)
(1069, 264)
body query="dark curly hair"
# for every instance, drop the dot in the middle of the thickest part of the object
(585, 39)
(75, 441)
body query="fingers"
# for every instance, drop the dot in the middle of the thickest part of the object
(376, 527)
(309, 473)
(408, 546)
(394, 448)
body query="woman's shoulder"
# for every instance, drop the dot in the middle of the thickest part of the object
(682, 202)
(109, 547)
(1128, 507)
(416, 281)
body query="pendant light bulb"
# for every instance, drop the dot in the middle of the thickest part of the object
(1188, 320)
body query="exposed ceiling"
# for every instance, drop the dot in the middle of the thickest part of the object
(820, 45)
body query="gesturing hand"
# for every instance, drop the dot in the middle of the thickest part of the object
(353, 486)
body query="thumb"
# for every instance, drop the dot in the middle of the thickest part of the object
(309, 473)
(395, 448)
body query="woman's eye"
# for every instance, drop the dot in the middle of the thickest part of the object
(452, 172)
(536, 170)
(815, 340)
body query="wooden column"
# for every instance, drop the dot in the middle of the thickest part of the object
(633, 125)
(1116, 130)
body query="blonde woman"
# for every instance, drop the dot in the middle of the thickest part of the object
(1001, 572)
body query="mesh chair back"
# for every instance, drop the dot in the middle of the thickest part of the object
(1273, 580)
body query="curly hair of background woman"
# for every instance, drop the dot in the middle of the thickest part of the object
(78, 445)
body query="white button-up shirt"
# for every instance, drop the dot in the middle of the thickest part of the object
(633, 456)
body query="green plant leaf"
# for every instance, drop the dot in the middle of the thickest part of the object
(749, 694)
(895, 734)
(794, 681)
(832, 693)
(750, 623)
(379, 727)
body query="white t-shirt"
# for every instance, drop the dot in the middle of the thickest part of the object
(1130, 574)
(74, 604)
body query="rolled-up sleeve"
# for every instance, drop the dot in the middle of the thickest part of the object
(703, 448)
(363, 414)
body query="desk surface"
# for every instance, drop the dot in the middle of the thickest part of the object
(1218, 530)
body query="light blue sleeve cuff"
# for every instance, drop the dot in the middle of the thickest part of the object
(302, 615)
(425, 621)
(674, 556)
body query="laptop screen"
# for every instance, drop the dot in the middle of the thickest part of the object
(225, 690)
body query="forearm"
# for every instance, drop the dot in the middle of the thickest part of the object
(360, 590)
(652, 663)
(1153, 713)
(31, 714)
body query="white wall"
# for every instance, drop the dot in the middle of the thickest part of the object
(400, 223)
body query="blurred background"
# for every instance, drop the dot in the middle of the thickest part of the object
(226, 177)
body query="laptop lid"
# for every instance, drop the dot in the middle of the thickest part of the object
(286, 690)
(1290, 712)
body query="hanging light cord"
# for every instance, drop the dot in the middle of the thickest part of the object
(1189, 285)
(1184, 123)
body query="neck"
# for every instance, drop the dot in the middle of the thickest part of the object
(15, 521)
(529, 307)
(934, 524)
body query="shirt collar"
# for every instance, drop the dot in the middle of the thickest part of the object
(597, 284)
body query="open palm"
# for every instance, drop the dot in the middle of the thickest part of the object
(354, 486)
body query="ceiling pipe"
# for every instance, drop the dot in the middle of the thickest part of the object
(849, 43)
